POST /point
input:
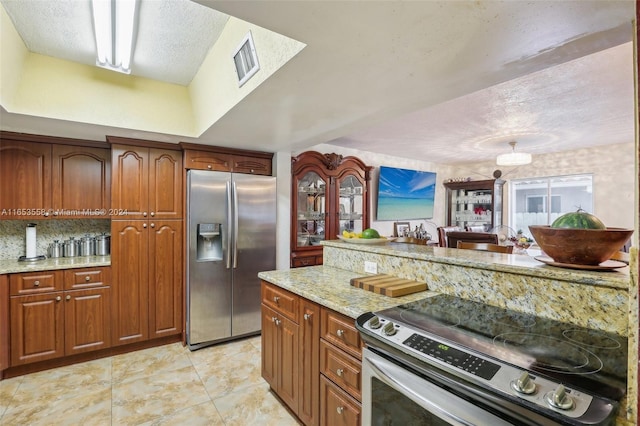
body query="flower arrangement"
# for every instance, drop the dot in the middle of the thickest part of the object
(521, 241)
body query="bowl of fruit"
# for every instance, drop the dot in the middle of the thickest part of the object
(368, 236)
(579, 238)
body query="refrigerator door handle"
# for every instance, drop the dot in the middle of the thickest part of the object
(229, 223)
(235, 226)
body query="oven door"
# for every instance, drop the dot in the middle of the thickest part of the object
(394, 395)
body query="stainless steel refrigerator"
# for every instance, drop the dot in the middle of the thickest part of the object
(231, 236)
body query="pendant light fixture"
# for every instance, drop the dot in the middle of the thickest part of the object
(513, 158)
(114, 24)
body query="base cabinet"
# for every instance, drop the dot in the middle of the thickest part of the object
(147, 279)
(53, 315)
(338, 408)
(311, 358)
(290, 354)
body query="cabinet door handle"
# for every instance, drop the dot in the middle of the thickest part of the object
(46, 214)
(58, 298)
(36, 283)
(340, 333)
(144, 225)
(339, 372)
(307, 317)
(339, 410)
(87, 278)
(276, 299)
(209, 166)
(68, 297)
(144, 214)
(153, 225)
(153, 214)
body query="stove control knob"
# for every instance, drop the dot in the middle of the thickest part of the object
(524, 384)
(559, 399)
(389, 329)
(374, 323)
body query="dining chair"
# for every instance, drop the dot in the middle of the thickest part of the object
(442, 234)
(475, 237)
(485, 247)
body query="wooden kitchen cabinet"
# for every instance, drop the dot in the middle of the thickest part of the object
(49, 324)
(81, 181)
(146, 261)
(309, 359)
(340, 368)
(330, 194)
(25, 179)
(146, 182)
(338, 409)
(47, 177)
(202, 157)
(4, 324)
(290, 350)
(280, 362)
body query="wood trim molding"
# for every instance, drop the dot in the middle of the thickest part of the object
(27, 137)
(118, 140)
(222, 150)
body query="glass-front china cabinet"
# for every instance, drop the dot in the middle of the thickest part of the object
(474, 205)
(330, 194)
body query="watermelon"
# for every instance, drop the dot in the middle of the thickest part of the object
(370, 233)
(578, 220)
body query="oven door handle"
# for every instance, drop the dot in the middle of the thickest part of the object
(441, 403)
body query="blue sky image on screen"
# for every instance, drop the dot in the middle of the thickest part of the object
(405, 194)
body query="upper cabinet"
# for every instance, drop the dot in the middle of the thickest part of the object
(147, 182)
(474, 205)
(330, 194)
(201, 157)
(46, 177)
(81, 181)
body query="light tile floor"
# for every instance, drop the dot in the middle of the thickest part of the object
(167, 385)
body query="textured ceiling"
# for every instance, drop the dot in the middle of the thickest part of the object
(172, 40)
(440, 81)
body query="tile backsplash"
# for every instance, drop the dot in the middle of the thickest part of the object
(13, 234)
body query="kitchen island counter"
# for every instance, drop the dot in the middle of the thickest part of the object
(330, 287)
(50, 264)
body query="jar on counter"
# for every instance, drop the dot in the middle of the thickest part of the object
(55, 249)
(103, 244)
(87, 246)
(71, 247)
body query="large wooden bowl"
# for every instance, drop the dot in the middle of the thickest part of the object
(580, 246)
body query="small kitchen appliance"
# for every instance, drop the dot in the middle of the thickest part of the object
(445, 360)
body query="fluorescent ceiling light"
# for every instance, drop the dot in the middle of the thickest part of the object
(114, 23)
(513, 158)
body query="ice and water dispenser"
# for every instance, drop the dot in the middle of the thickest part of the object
(209, 246)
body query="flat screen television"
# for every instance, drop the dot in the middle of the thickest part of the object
(405, 194)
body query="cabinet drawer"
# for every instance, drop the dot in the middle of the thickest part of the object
(337, 407)
(35, 282)
(340, 331)
(344, 370)
(205, 160)
(86, 278)
(298, 262)
(281, 301)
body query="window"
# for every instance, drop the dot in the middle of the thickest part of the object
(246, 60)
(529, 199)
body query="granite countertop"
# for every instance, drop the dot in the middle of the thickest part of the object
(517, 264)
(49, 264)
(330, 287)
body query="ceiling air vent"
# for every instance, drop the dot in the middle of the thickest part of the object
(246, 59)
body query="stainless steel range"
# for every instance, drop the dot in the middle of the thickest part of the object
(450, 361)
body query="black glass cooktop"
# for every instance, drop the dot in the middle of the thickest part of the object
(593, 360)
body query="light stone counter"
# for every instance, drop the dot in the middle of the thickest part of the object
(597, 300)
(13, 266)
(330, 287)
